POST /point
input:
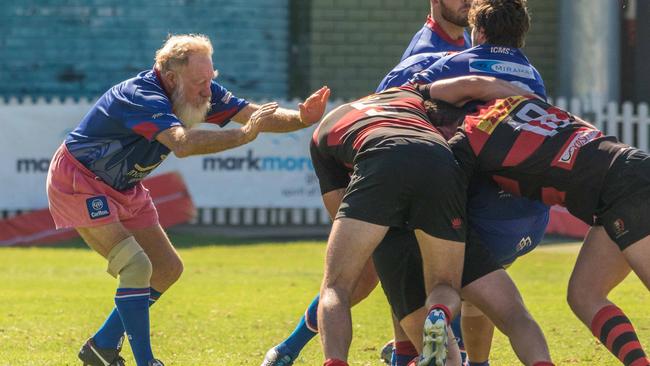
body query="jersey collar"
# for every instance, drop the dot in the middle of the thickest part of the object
(160, 81)
(437, 29)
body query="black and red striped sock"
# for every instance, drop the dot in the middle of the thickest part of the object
(615, 331)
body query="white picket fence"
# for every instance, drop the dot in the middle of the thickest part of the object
(626, 121)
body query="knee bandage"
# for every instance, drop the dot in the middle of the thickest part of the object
(130, 262)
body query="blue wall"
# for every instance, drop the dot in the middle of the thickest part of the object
(81, 48)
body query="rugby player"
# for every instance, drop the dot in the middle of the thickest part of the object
(94, 182)
(557, 158)
(508, 226)
(357, 150)
(443, 31)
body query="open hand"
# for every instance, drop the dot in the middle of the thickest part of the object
(312, 109)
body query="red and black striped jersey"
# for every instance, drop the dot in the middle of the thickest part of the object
(364, 126)
(533, 149)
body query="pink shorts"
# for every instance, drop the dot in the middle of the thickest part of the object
(77, 198)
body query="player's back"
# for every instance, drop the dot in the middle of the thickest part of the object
(360, 125)
(505, 63)
(535, 150)
(408, 67)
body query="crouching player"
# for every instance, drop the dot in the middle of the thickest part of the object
(536, 150)
(94, 182)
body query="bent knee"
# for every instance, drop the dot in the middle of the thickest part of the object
(129, 261)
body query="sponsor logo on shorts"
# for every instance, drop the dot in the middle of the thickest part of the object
(501, 67)
(524, 243)
(457, 223)
(619, 228)
(97, 207)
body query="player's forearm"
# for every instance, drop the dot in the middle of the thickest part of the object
(460, 90)
(198, 142)
(283, 120)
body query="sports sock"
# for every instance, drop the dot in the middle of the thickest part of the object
(486, 363)
(110, 333)
(334, 362)
(615, 331)
(403, 353)
(444, 309)
(133, 306)
(543, 363)
(306, 329)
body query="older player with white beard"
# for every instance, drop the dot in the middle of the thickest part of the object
(94, 182)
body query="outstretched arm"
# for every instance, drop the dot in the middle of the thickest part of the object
(187, 142)
(461, 90)
(287, 120)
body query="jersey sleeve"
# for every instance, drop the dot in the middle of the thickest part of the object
(331, 174)
(150, 118)
(224, 105)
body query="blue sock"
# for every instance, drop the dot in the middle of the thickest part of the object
(486, 363)
(111, 332)
(304, 332)
(133, 306)
(458, 333)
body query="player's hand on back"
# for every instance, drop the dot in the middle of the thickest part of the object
(252, 128)
(313, 108)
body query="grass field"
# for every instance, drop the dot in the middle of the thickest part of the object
(235, 301)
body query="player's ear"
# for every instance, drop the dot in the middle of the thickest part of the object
(171, 79)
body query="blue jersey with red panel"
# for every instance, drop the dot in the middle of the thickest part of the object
(432, 38)
(509, 64)
(405, 70)
(116, 140)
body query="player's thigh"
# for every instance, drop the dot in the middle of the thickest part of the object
(442, 260)
(599, 268)
(638, 257)
(103, 238)
(496, 296)
(349, 248)
(155, 242)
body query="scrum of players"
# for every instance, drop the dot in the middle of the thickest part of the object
(433, 184)
(518, 155)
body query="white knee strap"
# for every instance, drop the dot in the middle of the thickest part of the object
(129, 261)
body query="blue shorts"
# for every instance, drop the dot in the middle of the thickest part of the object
(509, 226)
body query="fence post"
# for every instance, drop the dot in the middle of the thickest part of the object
(644, 120)
(628, 124)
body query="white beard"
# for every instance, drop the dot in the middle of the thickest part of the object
(189, 114)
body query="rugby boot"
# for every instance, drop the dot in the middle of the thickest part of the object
(387, 352)
(155, 362)
(91, 355)
(434, 350)
(277, 356)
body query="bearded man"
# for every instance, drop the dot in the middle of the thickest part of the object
(94, 182)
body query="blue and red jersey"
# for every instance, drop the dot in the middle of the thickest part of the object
(405, 70)
(116, 140)
(509, 64)
(432, 38)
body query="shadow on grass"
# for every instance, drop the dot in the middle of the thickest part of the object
(189, 237)
(185, 239)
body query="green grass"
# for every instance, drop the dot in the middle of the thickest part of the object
(235, 301)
